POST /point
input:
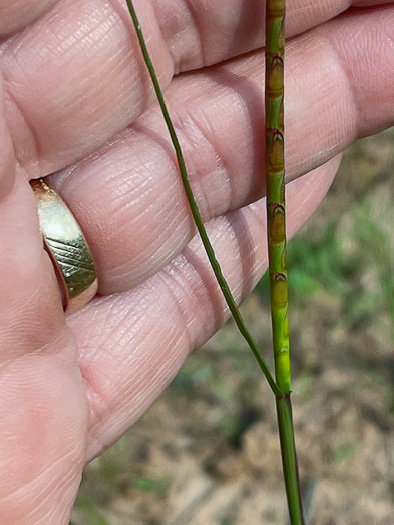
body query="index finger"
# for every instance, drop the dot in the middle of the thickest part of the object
(76, 77)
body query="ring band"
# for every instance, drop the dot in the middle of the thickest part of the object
(66, 246)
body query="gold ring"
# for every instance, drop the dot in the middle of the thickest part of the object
(66, 246)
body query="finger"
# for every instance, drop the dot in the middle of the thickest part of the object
(19, 13)
(76, 77)
(42, 431)
(129, 199)
(132, 344)
(43, 421)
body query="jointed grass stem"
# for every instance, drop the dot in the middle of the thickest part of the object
(277, 251)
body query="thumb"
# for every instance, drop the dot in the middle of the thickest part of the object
(43, 415)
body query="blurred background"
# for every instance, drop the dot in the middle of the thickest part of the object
(207, 452)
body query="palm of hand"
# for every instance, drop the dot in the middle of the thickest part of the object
(72, 80)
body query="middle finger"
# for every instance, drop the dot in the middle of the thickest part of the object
(75, 77)
(128, 197)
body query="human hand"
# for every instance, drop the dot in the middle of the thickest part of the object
(76, 94)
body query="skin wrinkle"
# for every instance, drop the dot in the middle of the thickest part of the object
(8, 514)
(157, 45)
(29, 133)
(68, 495)
(194, 15)
(129, 411)
(185, 264)
(346, 121)
(117, 314)
(10, 14)
(250, 28)
(147, 381)
(364, 49)
(158, 251)
(326, 9)
(171, 300)
(113, 331)
(168, 16)
(189, 129)
(178, 307)
(53, 348)
(158, 50)
(246, 256)
(247, 100)
(62, 456)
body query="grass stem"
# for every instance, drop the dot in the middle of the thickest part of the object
(289, 459)
(277, 246)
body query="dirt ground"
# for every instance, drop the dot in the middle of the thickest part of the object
(207, 451)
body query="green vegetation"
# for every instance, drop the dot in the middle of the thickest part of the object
(88, 509)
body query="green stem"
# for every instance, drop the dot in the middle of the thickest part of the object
(275, 176)
(289, 459)
(196, 212)
(277, 250)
